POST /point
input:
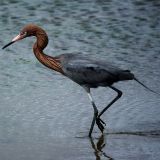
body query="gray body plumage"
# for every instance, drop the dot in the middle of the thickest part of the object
(90, 72)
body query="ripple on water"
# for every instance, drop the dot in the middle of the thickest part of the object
(37, 103)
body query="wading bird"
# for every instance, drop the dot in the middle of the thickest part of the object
(85, 71)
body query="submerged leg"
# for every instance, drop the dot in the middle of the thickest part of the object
(113, 101)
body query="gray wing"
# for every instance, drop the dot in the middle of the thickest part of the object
(86, 71)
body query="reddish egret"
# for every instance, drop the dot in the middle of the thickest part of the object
(85, 71)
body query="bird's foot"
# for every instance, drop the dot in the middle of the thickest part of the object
(100, 123)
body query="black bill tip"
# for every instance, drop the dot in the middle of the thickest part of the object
(8, 45)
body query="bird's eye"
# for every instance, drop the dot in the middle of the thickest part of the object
(23, 33)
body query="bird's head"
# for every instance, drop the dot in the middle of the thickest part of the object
(27, 31)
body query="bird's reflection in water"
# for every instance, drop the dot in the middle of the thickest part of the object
(98, 147)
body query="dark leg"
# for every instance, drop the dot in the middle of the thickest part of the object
(113, 101)
(95, 114)
(95, 119)
(87, 89)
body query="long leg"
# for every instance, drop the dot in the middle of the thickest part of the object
(95, 113)
(95, 119)
(119, 94)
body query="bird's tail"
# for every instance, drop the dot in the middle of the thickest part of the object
(146, 86)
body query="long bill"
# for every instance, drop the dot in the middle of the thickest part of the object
(7, 45)
(17, 38)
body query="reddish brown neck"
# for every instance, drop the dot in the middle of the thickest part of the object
(40, 44)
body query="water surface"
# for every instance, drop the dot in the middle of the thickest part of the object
(43, 113)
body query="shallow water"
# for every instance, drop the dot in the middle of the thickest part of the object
(43, 113)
